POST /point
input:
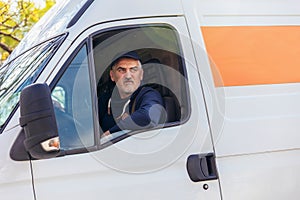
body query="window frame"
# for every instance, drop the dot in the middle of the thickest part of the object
(57, 78)
(182, 61)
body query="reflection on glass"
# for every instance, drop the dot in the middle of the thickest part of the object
(59, 97)
(21, 72)
(53, 23)
(72, 98)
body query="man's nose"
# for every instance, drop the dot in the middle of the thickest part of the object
(127, 74)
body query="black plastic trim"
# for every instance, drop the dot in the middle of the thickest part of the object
(80, 13)
(202, 167)
(18, 151)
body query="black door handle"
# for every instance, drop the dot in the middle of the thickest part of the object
(202, 167)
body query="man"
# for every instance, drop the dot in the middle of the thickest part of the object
(131, 106)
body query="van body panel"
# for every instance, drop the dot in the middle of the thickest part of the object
(118, 10)
(269, 112)
(270, 175)
(255, 113)
(14, 176)
(259, 107)
(104, 12)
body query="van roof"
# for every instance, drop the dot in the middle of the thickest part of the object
(130, 9)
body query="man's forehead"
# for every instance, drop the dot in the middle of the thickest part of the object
(127, 63)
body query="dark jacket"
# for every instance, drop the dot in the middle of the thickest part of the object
(146, 110)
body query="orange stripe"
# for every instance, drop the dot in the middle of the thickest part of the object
(251, 55)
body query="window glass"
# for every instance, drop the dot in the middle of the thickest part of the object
(73, 104)
(59, 97)
(23, 71)
(52, 23)
(158, 48)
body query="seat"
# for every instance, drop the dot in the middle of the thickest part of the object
(153, 77)
(171, 109)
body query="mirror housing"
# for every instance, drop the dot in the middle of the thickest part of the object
(38, 121)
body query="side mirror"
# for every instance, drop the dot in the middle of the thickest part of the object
(38, 121)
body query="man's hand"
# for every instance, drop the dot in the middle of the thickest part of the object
(106, 133)
(105, 137)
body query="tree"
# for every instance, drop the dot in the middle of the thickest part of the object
(16, 19)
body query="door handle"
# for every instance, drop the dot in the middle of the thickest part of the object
(202, 167)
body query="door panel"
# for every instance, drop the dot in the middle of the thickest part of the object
(148, 164)
(15, 181)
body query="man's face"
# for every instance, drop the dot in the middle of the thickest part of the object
(127, 74)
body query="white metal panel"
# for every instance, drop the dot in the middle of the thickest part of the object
(114, 10)
(246, 113)
(247, 12)
(15, 176)
(272, 175)
(260, 119)
(255, 128)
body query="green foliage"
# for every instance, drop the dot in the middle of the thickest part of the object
(16, 19)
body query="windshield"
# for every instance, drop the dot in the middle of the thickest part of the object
(53, 23)
(21, 72)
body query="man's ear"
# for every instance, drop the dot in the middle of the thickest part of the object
(111, 75)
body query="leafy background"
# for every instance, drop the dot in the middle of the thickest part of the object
(16, 18)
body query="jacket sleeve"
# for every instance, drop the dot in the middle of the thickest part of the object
(148, 111)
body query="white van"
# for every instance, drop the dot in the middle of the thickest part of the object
(227, 70)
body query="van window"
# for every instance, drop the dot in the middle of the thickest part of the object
(21, 72)
(162, 61)
(73, 104)
(53, 23)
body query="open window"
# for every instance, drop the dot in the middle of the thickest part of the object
(158, 46)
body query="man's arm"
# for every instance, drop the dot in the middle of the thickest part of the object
(147, 114)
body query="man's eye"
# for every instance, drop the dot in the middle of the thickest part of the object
(121, 70)
(134, 69)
